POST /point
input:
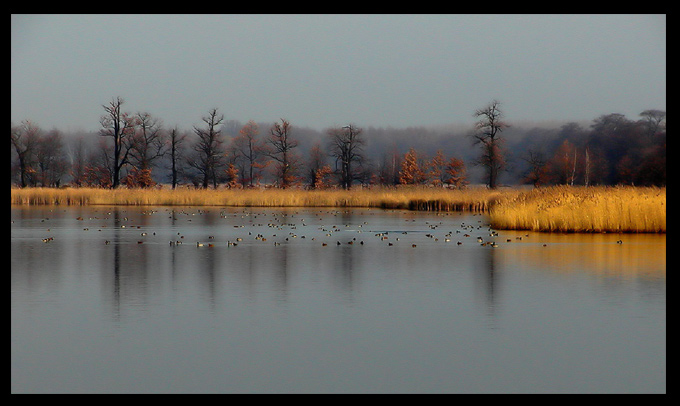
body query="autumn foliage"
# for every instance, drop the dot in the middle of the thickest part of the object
(416, 170)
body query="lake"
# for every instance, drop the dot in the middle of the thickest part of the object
(327, 300)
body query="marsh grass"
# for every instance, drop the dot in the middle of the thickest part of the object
(414, 198)
(583, 209)
(558, 208)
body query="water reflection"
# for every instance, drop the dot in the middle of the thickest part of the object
(337, 285)
(130, 251)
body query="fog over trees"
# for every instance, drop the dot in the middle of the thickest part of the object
(137, 149)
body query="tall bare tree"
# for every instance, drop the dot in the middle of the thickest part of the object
(176, 141)
(208, 148)
(346, 145)
(119, 126)
(280, 150)
(487, 134)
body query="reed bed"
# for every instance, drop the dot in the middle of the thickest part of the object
(554, 209)
(583, 209)
(413, 198)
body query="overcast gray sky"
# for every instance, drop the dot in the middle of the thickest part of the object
(325, 70)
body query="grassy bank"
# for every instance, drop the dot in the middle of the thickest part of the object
(559, 208)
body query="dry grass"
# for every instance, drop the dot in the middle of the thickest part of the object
(581, 209)
(415, 198)
(558, 208)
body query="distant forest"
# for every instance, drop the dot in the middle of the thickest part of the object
(137, 150)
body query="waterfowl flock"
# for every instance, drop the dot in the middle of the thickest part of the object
(276, 227)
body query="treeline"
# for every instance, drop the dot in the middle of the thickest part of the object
(612, 150)
(137, 150)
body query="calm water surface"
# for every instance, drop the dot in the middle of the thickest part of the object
(109, 305)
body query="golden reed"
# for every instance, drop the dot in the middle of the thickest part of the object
(557, 208)
(583, 209)
(414, 198)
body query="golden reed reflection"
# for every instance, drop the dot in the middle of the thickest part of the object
(640, 255)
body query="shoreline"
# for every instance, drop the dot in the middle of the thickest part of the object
(624, 209)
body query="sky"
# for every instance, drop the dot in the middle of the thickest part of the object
(326, 70)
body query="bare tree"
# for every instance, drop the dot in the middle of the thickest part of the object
(487, 134)
(280, 150)
(654, 121)
(247, 147)
(78, 161)
(148, 143)
(316, 168)
(346, 146)
(536, 174)
(51, 159)
(175, 150)
(209, 151)
(120, 126)
(25, 139)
